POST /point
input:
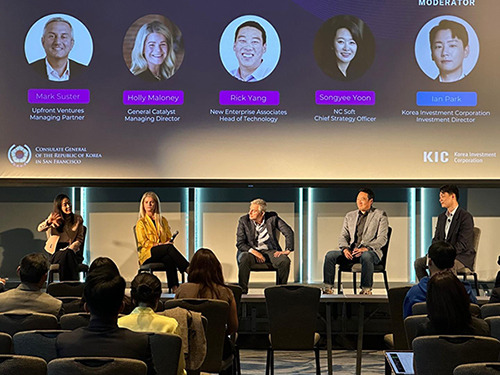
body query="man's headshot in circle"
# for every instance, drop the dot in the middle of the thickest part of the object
(449, 42)
(57, 41)
(250, 44)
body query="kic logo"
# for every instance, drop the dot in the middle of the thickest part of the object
(436, 157)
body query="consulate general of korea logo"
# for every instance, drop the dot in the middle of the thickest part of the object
(19, 155)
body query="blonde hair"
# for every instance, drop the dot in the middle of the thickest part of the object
(139, 63)
(157, 215)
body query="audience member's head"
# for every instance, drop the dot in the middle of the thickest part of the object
(33, 269)
(104, 262)
(146, 290)
(441, 256)
(104, 292)
(448, 304)
(205, 269)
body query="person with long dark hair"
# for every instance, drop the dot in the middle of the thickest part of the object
(448, 309)
(154, 240)
(65, 237)
(344, 47)
(205, 280)
(107, 264)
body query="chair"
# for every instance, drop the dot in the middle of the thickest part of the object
(491, 368)
(152, 267)
(96, 366)
(411, 325)
(66, 289)
(490, 309)
(237, 292)
(193, 333)
(420, 308)
(268, 266)
(217, 313)
(292, 312)
(21, 365)
(466, 271)
(265, 267)
(5, 343)
(396, 297)
(494, 323)
(41, 343)
(165, 350)
(71, 304)
(356, 268)
(12, 323)
(438, 355)
(82, 268)
(74, 320)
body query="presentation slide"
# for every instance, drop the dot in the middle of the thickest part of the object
(282, 90)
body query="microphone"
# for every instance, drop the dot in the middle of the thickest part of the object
(174, 235)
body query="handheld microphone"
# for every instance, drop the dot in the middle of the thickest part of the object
(174, 235)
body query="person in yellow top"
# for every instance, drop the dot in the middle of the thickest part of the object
(146, 292)
(154, 240)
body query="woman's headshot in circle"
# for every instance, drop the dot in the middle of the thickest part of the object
(154, 56)
(344, 48)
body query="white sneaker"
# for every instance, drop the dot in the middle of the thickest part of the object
(328, 289)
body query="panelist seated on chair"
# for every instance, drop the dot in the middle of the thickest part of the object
(363, 235)
(28, 297)
(65, 235)
(257, 242)
(440, 258)
(154, 240)
(456, 226)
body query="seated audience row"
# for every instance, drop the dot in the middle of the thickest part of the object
(104, 297)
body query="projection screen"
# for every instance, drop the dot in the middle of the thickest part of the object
(260, 90)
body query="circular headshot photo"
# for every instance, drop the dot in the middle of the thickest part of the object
(344, 47)
(250, 48)
(153, 48)
(447, 49)
(58, 47)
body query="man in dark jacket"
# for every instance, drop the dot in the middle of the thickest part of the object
(257, 240)
(455, 226)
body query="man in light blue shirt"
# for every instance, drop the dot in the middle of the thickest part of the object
(250, 44)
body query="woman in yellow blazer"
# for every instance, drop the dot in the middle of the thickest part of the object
(154, 240)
